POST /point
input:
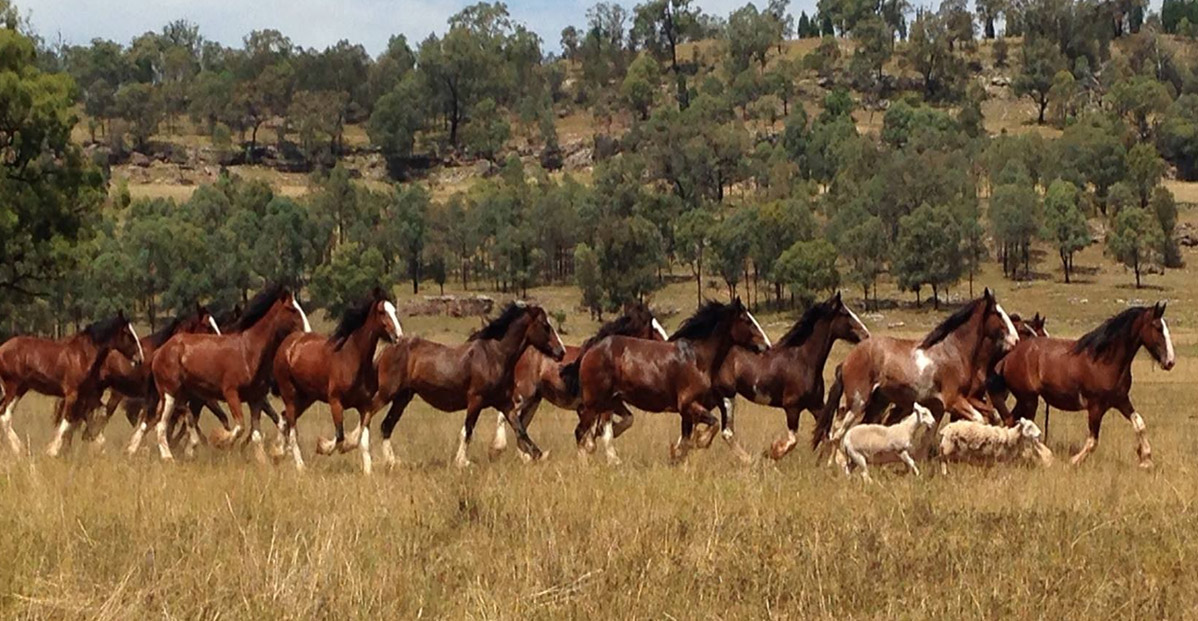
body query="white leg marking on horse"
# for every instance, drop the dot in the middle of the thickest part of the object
(1137, 422)
(14, 441)
(364, 447)
(56, 444)
(608, 448)
(660, 330)
(141, 356)
(212, 324)
(303, 315)
(500, 442)
(1169, 356)
(388, 452)
(730, 407)
(764, 336)
(460, 460)
(390, 310)
(296, 454)
(164, 447)
(135, 441)
(1012, 335)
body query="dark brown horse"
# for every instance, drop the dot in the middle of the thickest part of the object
(791, 374)
(337, 370)
(233, 367)
(473, 376)
(1092, 373)
(676, 376)
(69, 369)
(540, 377)
(936, 372)
(129, 384)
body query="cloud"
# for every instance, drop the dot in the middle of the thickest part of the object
(310, 23)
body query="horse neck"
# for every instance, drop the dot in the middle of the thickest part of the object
(1126, 351)
(93, 354)
(262, 339)
(968, 340)
(360, 345)
(509, 348)
(816, 349)
(711, 352)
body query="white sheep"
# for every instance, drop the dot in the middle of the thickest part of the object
(981, 443)
(881, 444)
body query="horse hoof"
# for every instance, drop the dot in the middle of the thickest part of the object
(544, 456)
(462, 464)
(1146, 464)
(325, 446)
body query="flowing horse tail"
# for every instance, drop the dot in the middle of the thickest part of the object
(823, 422)
(569, 375)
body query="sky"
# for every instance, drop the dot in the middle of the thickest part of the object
(310, 23)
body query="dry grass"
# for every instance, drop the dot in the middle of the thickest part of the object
(109, 537)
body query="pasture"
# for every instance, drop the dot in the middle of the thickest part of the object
(105, 536)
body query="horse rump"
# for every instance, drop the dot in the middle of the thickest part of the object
(823, 422)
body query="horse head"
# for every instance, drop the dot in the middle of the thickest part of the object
(123, 338)
(744, 329)
(203, 321)
(1154, 333)
(385, 315)
(997, 323)
(1037, 324)
(846, 324)
(540, 333)
(643, 324)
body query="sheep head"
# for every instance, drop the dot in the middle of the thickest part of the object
(1030, 433)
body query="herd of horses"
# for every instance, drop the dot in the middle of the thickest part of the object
(965, 368)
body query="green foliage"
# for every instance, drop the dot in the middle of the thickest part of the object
(1177, 136)
(1138, 99)
(640, 85)
(1041, 60)
(488, 131)
(928, 251)
(808, 268)
(1064, 223)
(1164, 206)
(141, 106)
(589, 279)
(1135, 240)
(1145, 168)
(1015, 219)
(397, 117)
(340, 283)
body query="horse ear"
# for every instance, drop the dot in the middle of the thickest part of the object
(988, 294)
(120, 315)
(1159, 310)
(838, 299)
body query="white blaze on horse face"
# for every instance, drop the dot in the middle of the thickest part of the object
(1012, 335)
(555, 340)
(857, 323)
(215, 328)
(389, 308)
(660, 330)
(140, 355)
(1169, 356)
(307, 326)
(764, 336)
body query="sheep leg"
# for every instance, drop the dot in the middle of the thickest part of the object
(858, 460)
(906, 457)
(1143, 449)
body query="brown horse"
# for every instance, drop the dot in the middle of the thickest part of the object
(233, 367)
(473, 376)
(676, 376)
(129, 384)
(337, 370)
(540, 377)
(69, 369)
(936, 372)
(1092, 373)
(791, 374)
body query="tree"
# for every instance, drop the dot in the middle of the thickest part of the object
(286, 246)
(1135, 240)
(1164, 206)
(393, 125)
(1139, 98)
(929, 51)
(488, 131)
(928, 251)
(822, 60)
(1177, 136)
(141, 106)
(750, 35)
(808, 268)
(339, 284)
(317, 116)
(862, 239)
(1144, 170)
(660, 26)
(732, 241)
(692, 238)
(875, 45)
(988, 12)
(588, 279)
(50, 194)
(1015, 219)
(640, 85)
(1064, 223)
(1041, 62)
(404, 226)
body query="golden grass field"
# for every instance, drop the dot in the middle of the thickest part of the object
(106, 536)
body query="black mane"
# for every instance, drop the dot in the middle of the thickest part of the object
(498, 327)
(353, 318)
(801, 331)
(948, 326)
(258, 307)
(167, 331)
(705, 320)
(1098, 341)
(620, 326)
(105, 330)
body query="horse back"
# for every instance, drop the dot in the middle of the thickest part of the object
(44, 365)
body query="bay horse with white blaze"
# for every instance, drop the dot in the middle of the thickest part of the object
(69, 369)
(233, 367)
(338, 370)
(540, 377)
(790, 375)
(675, 376)
(473, 376)
(1092, 373)
(936, 372)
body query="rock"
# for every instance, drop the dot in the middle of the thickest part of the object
(578, 160)
(1000, 81)
(451, 305)
(141, 160)
(484, 168)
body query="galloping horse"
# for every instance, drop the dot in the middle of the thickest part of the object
(129, 384)
(936, 372)
(69, 369)
(1030, 328)
(233, 367)
(540, 377)
(1092, 373)
(337, 370)
(676, 376)
(472, 376)
(791, 374)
